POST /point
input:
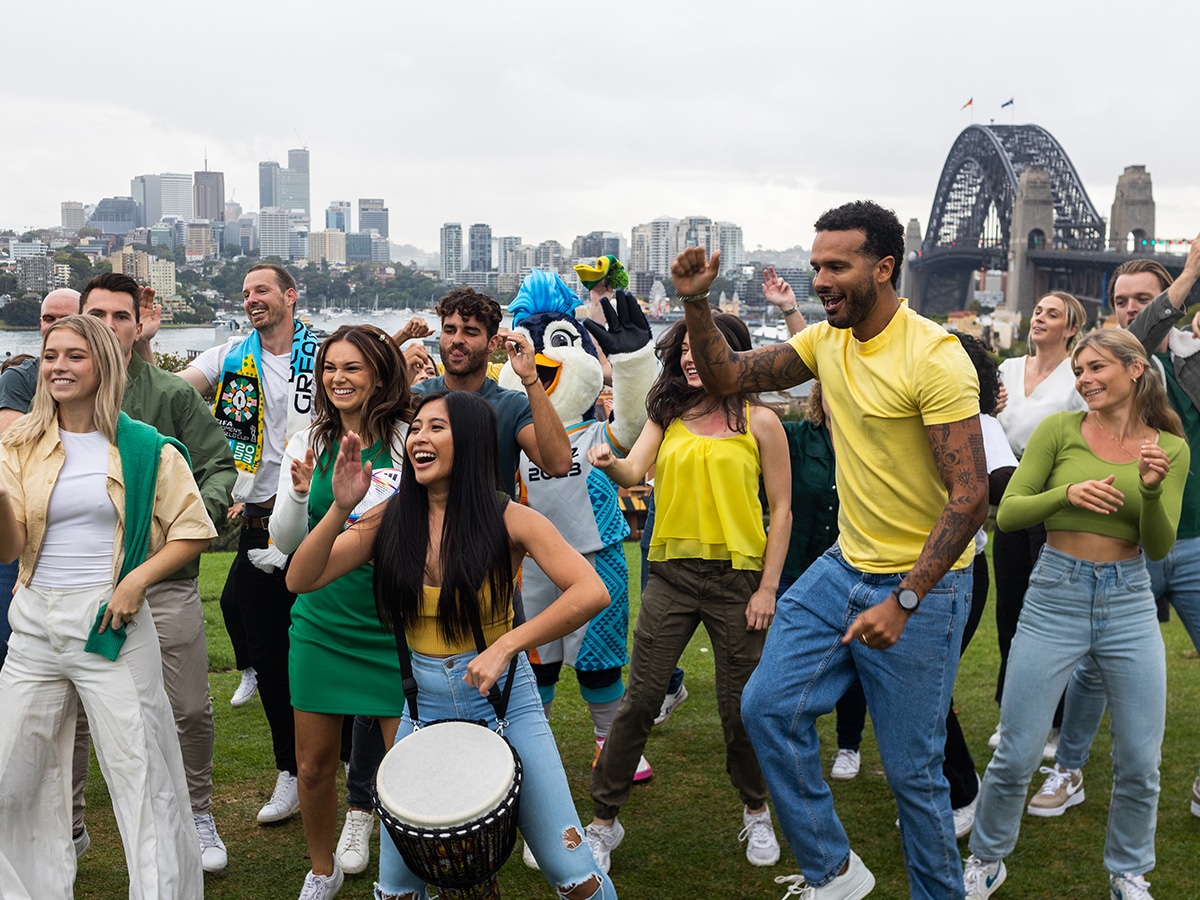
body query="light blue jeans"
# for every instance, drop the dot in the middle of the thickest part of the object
(1177, 578)
(1076, 609)
(804, 670)
(547, 818)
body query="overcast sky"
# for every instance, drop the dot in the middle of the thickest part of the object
(548, 120)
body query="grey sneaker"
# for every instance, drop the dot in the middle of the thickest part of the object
(1129, 887)
(670, 703)
(284, 802)
(1062, 789)
(762, 847)
(354, 846)
(322, 887)
(845, 765)
(981, 878)
(82, 841)
(213, 857)
(853, 884)
(604, 839)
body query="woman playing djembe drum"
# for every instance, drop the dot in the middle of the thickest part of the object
(436, 558)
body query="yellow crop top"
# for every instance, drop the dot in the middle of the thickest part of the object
(706, 498)
(424, 638)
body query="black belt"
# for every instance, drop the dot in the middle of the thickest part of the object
(259, 522)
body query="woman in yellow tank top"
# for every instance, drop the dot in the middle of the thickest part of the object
(711, 562)
(447, 541)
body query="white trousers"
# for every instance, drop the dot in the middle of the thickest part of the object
(134, 733)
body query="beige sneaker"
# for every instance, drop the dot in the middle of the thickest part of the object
(1062, 790)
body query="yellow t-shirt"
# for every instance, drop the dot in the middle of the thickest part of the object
(882, 394)
(424, 638)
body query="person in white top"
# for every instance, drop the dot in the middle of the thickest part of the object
(1036, 386)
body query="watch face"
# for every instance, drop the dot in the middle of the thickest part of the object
(908, 599)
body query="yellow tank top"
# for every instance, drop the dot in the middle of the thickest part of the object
(706, 502)
(424, 638)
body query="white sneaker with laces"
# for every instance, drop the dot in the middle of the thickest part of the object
(603, 840)
(246, 689)
(853, 884)
(284, 802)
(762, 848)
(845, 765)
(322, 887)
(213, 857)
(1050, 751)
(1129, 887)
(354, 846)
(671, 703)
(981, 878)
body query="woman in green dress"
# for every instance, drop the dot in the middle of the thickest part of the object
(341, 662)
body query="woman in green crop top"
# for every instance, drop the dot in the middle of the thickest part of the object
(1104, 482)
(710, 563)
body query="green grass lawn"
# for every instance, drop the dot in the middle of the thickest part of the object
(682, 827)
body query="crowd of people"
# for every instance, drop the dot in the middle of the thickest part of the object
(421, 542)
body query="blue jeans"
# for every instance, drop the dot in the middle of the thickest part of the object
(547, 818)
(1175, 578)
(1076, 609)
(805, 668)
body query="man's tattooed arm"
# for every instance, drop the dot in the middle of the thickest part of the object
(725, 371)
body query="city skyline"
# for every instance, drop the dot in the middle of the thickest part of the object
(799, 110)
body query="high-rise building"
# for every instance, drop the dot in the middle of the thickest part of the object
(327, 246)
(337, 216)
(177, 195)
(298, 243)
(381, 249)
(287, 188)
(508, 260)
(233, 211)
(596, 244)
(729, 242)
(201, 242)
(268, 178)
(35, 273)
(134, 263)
(452, 252)
(73, 216)
(162, 277)
(549, 256)
(358, 247)
(146, 191)
(273, 232)
(114, 215)
(640, 257)
(662, 245)
(372, 216)
(693, 231)
(208, 196)
(480, 248)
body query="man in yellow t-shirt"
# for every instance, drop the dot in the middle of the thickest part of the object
(888, 602)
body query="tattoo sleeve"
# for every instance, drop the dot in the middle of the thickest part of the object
(957, 449)
(725, 371)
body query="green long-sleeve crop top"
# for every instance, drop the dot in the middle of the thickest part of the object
(1057, 457)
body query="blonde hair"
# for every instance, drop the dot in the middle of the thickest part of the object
(1149, 397)
(110, 367)
(1075, 314)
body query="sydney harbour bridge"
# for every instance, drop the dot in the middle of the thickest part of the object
(1010, 199)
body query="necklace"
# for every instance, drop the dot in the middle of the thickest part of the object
(1113, 438)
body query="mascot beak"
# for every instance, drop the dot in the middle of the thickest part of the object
(548, 371)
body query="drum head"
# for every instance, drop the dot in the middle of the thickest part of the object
(445, 774)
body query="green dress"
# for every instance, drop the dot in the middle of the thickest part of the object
(341, 661)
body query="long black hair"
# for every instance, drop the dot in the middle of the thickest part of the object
(671, 396)
(476, 555)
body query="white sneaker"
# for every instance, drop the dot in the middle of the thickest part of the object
(762, 848)
(964, 816)
(354, 846)
(212, 849)
(671, 703)
(853, 884)
(527, 858)
(845, 765)
(322, 887)
(284, 802)
(247, 688)
(604, 839)
(1050, 751)
(994, 740)
(981, 878)
(82, 841)
(1129, 887)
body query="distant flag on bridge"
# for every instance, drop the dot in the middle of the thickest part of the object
(970, 102)
(1009, 102)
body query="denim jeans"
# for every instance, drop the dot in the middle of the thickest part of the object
(547, 818)
(1175, 578)
(805, 668)
(1076, 609)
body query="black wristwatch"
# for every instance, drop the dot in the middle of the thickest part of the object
(908, 599)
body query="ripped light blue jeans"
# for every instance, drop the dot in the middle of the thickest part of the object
(547, 819)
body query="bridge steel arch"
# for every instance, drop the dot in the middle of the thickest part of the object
(970, 222)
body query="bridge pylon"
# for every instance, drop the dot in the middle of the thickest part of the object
(1132, 210)
(1032, 230)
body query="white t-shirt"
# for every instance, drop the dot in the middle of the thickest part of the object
(1023, 414)
(276, 375)
(81, 520)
